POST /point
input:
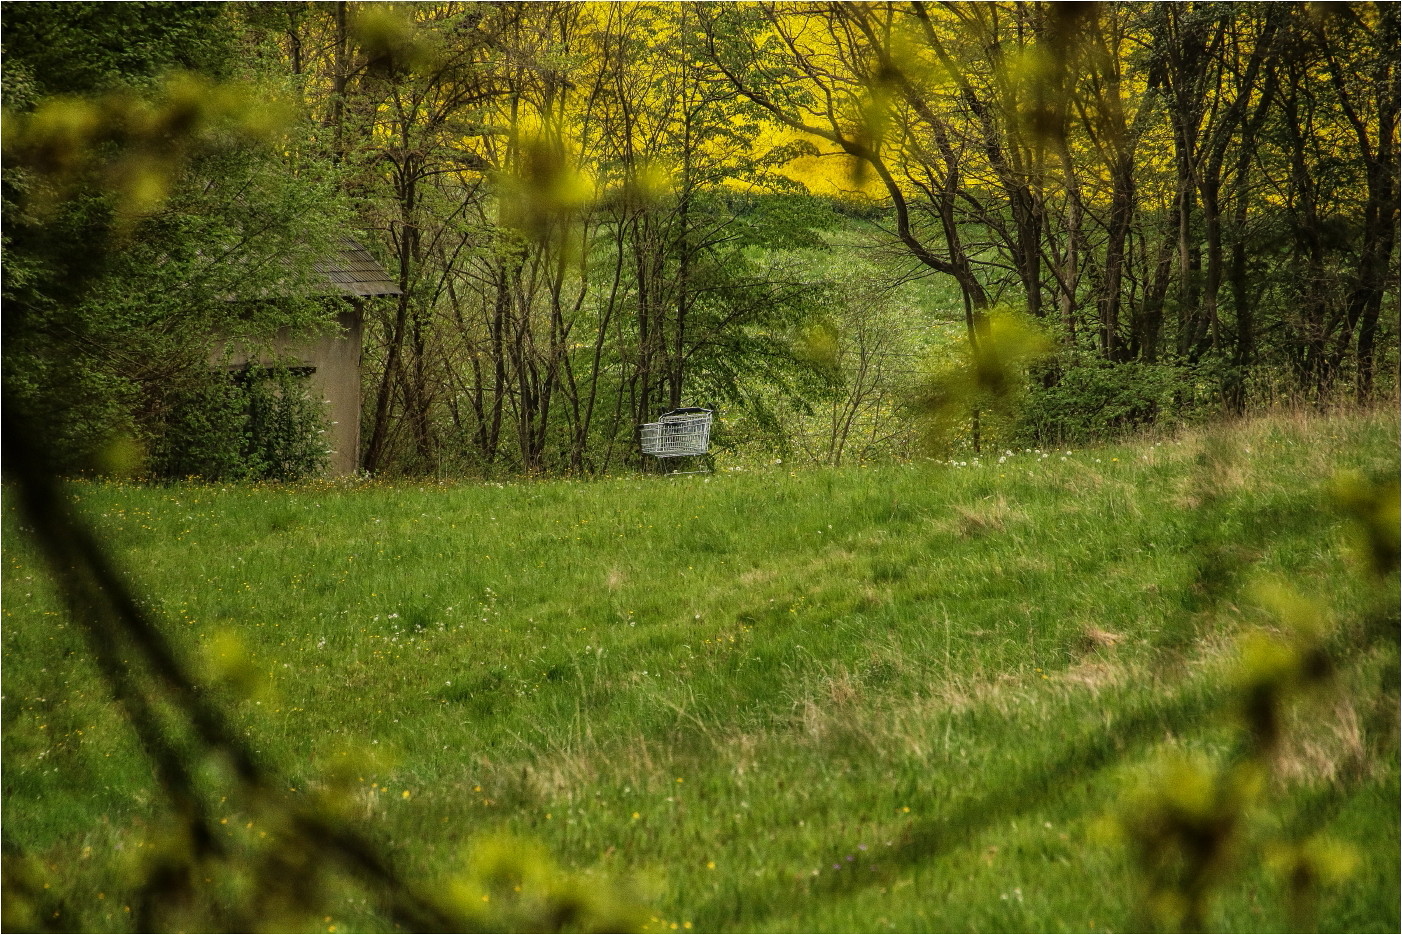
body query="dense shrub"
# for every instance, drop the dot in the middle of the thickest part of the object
(286, 427)
(260, 423)
(1083, 401)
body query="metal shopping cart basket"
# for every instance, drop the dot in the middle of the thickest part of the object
(678, 433)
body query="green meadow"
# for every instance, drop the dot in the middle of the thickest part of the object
(900, 697)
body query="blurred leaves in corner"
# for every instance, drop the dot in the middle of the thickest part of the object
(546, 192)
(1184, 824)
(391, 43)
(989, 374)
(129, 145)
(1187, 824)
(1307, 866)
(1373, 505)
(512, 885)
(1280, 665)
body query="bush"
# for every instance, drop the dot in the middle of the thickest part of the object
(286, 427)
(1079, 402)
(259, 423)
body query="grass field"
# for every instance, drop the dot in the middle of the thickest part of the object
(898, 697)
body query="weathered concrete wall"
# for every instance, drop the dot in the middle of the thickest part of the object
(336, 379)
(336, 358)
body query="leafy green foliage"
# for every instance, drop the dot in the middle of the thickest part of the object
(286, 427)
(1079, 401)
(206, 433)
(90, 48)
(135, 217)
(260, 423)
(101, 337)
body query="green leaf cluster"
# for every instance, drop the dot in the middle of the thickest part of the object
(150, 216)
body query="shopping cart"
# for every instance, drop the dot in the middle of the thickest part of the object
(678, 433)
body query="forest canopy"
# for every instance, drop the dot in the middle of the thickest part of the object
(797, 214)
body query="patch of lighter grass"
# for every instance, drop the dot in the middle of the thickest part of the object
(984, 517)
(840, 709)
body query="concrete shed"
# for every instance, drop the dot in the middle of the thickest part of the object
(332, 361)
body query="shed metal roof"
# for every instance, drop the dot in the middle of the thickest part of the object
(353, 271)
